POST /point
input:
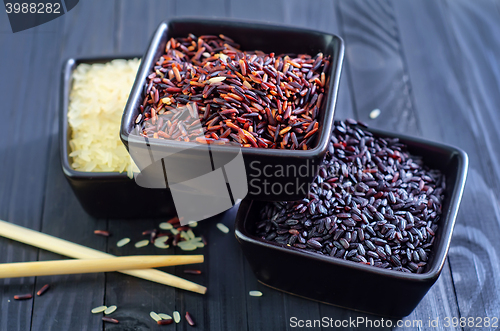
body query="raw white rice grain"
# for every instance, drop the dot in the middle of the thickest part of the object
(123, 242)
(165, 316)
(99, 309)
(375, 113)
(160, 242)
(166, 226)
(177, 316)
(187, 247)
(255, 293)
(155, 316)
(190, 234)
(142, 243)
(222, 227)
(110, 310)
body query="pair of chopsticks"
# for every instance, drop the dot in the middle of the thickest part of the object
(91, 260)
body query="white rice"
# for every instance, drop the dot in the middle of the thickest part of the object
(110, 310)
(165, 316)
(222, 227)
(123, 242)
(166, 226)
(97, 100)
(155, 316)
(142, 243)
(99, 309)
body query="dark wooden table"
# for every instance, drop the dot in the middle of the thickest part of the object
(431, 67)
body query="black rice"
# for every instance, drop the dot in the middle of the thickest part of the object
(372, 203)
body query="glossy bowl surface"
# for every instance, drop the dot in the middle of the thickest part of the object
(251, 36)
(105, 194)
(349, 284)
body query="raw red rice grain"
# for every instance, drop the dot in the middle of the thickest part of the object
(43, 289)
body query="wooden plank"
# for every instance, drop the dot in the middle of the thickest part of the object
(135, 298)
(322, 16)
(267, 11)
(71, 297)
(207, 8)
(475, 28)
(374, 63)
(224, 306)
(443, 92)
(380, 80)
(137, 21)
(23, 145)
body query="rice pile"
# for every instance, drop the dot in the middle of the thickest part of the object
(97, 100)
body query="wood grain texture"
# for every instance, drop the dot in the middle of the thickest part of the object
(72, 296)
(24, 141)
(430, 67)
(440, 83)
(374, 63)
(136, 21)
(380, 79)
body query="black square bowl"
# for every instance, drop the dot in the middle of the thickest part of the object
(348, 284)
(258, 161)
(105, 194)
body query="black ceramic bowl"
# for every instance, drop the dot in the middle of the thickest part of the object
(349, 284)
(251, 36)
(105, 194)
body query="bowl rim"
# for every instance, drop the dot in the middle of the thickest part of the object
(149, 58)
(432, 274)
(68, 67)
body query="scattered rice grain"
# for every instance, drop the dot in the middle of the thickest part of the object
(166, 226)
(155, 316)
(160, 242)
(255, 293)
(375, 113)
(142, 243)
(123, 242)
(43, 289)
(110, 320)
(177, 316)
(222, 227)
(165, 316)
(99, 309)
(110, 310)
(189, 319)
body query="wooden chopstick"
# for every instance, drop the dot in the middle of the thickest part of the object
(67, 248)
(81, 266)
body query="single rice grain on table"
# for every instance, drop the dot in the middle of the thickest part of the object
(123, 242)
(205, 89)
(177, 316)
(155, 316)
(142, 243)
(222, 227)
(110, 310)
(165, 316)
(99, 309)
